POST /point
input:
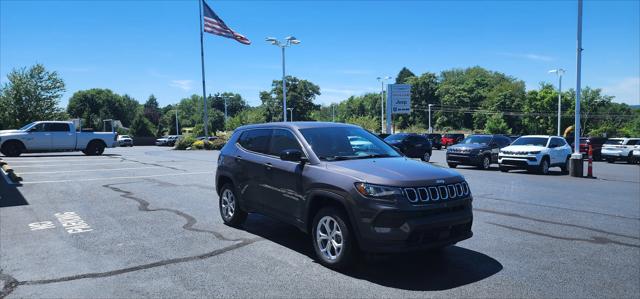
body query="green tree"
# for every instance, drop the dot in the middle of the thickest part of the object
(151, 110)
(403, 75)
(497, 125)
(300, 97)
(142, 127)
(31, 94)
(95, 105)
(235, 103)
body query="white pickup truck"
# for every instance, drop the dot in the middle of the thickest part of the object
(51, 136)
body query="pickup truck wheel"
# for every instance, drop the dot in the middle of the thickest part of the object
(12, 149)
(332, 240)
(94, 148)
(230, 210)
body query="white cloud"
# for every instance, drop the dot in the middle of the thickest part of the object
(182, 84)
(530, 56)
(626, 90)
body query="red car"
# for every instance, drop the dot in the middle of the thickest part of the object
(596, 146)
(451, 139)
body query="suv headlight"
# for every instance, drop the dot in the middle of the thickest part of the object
(379, 192)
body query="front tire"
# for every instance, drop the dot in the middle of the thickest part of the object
(543, 168)
(12, 149)
(333, 242)
(230, 210)
(485, 164)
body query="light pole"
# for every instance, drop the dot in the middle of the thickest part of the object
(430, 128)
(287, 42)
(177, 132)
(225, 110)
(333, 113)
(382, 79)
(559, 72)
(291, 111)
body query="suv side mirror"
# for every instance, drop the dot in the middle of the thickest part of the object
(292, 155)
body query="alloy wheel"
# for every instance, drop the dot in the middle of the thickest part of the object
(228, 204)
(329, 238)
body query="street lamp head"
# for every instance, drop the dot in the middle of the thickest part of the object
(273, 41)
(295, 41)
(430, 105)
(290, 38)
(558, 71)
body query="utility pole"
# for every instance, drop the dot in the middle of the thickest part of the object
(333, 113)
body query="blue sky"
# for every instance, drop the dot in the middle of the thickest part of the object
(145, 47)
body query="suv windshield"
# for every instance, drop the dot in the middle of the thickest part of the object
(345, 143)
(26, 127)
(537, 141)
(395, 137)
(614, 141)
(476, 140)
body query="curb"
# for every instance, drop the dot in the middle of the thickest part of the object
(9, 172)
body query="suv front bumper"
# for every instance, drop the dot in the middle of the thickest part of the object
(430, 226)
(518, 161)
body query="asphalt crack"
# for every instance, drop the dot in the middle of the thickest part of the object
(143, 205)
(122, 159)
(11, 283)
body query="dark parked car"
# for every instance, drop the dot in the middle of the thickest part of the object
(210, 138)
(411, 145)
(436, 140)
(477, 150)
(451, 139)
(310, 175)
(596, 146)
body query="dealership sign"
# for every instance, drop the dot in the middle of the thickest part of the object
(399, 97)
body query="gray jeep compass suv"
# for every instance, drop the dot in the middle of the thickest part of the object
(345, 186)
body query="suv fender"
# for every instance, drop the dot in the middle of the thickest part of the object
(321, 198)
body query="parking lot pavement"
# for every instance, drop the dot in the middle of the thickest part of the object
(143, 222)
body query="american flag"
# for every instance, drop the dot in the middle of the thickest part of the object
(214, 25)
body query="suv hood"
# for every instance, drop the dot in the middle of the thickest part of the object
(523, 148)
(401, 171)
(10, 131)
(470, 146)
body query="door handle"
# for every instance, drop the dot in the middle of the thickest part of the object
(268, 165)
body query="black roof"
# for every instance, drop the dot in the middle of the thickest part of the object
(296, 125)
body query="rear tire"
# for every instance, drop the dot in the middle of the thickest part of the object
(426, 157)
(503, 169)
(565, 168)
(630, 159)
(610, 160)
(334, 245)
(94, 148)
(12, 149)
(230, 210)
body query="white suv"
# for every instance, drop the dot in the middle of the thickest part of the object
(536, 153)
(619, 149)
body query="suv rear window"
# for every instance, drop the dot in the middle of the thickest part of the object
(256, 140)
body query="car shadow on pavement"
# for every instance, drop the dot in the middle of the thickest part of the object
(10, 196)
(59, 155)
(444, 269)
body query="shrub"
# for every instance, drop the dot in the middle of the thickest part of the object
(185, 142)
(218, 143)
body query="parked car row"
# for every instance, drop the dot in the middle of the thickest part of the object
(169, 140)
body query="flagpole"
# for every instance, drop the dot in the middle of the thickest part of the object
(204, 90)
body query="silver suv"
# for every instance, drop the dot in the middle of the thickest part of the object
(345, 186)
